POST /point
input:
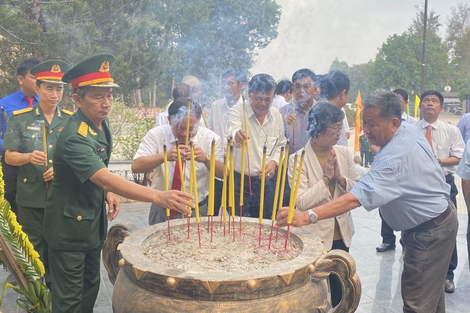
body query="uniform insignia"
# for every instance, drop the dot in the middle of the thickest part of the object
(37, 111)
(60, 129)
(32, 128)
(104, 67)
(101, 149)
(18, 112)
(83, 129)
(67, 112)
(92, 132)
(55, 69)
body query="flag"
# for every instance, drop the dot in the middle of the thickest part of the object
(416, 105)
(358, 121)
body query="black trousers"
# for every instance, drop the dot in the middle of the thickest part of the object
(10, 176)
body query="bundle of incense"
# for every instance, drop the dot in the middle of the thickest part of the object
(194, 185)
(293, 125)
(188, 118)
(44, 147)
(225, 184)
(283, 180)
(294, 196)
(210, 204)
(242, 186)
(183, 188)
(245, 142)
(232, 190)
(276, 195)
(261, 199)
(165, 164)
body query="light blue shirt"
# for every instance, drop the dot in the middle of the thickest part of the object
(464, 166)
(464, 126)
(406, 181)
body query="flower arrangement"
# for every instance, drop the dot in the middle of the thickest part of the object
(36, 296)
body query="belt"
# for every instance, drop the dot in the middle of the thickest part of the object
(432, 223)
(203, 202)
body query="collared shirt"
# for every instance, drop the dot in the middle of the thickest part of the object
(464, 166)
(279, 102)
(446, 141)
(10, 103)
(24, 135)
(408, 119)
(464, 126)
(162, 118)
(298, 138)
(218, 118)
(157, 137)
(271, 133)
(343, 140)
(406, 181)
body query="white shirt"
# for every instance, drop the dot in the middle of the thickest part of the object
(218, 118)
(343, 140)
(162, 118)
(408, 119)
(279, 101)
(447, 141)
(360, 170)
(270, 132)
(153, 143)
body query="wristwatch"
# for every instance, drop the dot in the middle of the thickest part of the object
(208, 158)
(312, 216)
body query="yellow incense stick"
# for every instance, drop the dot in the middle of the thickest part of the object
(242, 176)
(205, 120)
(294, 171)
(193, 174)
(283, 179)
(188, 118)
(224, 191)
(165, 163)
(245, 117)
(180, 165)
(296, 189)
(232, 182)
(278, 180)
(263, 180)
(210, 209)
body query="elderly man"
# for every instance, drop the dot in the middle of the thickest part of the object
(407, 183)
(265, 129)
(75, 219)
(149, 156)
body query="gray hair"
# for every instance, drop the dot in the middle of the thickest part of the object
(357, 159)
(81, 91)
(386, 101)
(321, 116)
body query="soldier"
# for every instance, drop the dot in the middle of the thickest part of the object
(24, 144)
(75, 219)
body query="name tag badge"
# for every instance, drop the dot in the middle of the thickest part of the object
(32, 128)
(102, 149)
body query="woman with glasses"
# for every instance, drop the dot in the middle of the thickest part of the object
(328, 172)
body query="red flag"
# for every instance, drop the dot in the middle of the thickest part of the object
(358, 120)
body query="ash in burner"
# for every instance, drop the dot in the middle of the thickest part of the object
(222, 254)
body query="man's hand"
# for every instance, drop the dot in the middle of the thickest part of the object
(175, 200)
(269, 170)
(37, 157)
(114, 205)
(199, 155)
(240, 136)
(290, 118)
(150, 178)
(173, 153)
(49, 174)
(300, 218)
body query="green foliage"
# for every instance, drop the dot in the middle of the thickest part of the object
(37, 297)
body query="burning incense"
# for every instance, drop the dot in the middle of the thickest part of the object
(261, 200)
(210, 205)
(205, 120)
(180, 166)
(194, 180)
(293, 125)
(245, 142)
(224, 186)
(242, 186)
(44, 147)
(283, 180)
(232, 189)
(188, 118)
(165, 164)
(276, 195)
(294, 197)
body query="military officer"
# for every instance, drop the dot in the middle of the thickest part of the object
(29, 142)
(75, 221)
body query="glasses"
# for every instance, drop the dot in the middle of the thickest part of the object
(432, 100)
(337, 128)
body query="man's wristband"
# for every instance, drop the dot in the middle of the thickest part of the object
(327, 177)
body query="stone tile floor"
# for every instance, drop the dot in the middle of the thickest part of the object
(379, 272)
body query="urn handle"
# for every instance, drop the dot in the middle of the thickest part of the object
(341, 264)
(111, 254)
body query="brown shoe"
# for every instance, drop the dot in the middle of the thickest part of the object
(449, 286)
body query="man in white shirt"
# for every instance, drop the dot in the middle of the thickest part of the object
(403, 96)
(149, 156)
(233, 81)
(265, 129)
(335, 88)
(283, 94)
(448, 146)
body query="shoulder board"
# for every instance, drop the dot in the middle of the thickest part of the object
(83, 129)
(67, 112)
(18, 112)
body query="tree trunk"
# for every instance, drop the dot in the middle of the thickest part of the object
(31, 10)
(138, 94)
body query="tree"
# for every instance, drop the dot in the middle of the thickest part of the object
(457, 25)
(339, 66)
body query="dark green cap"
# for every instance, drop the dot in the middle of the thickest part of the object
(92, 72)
(50, 71)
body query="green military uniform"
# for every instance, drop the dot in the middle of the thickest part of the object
(24, 135)
(75, 223)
